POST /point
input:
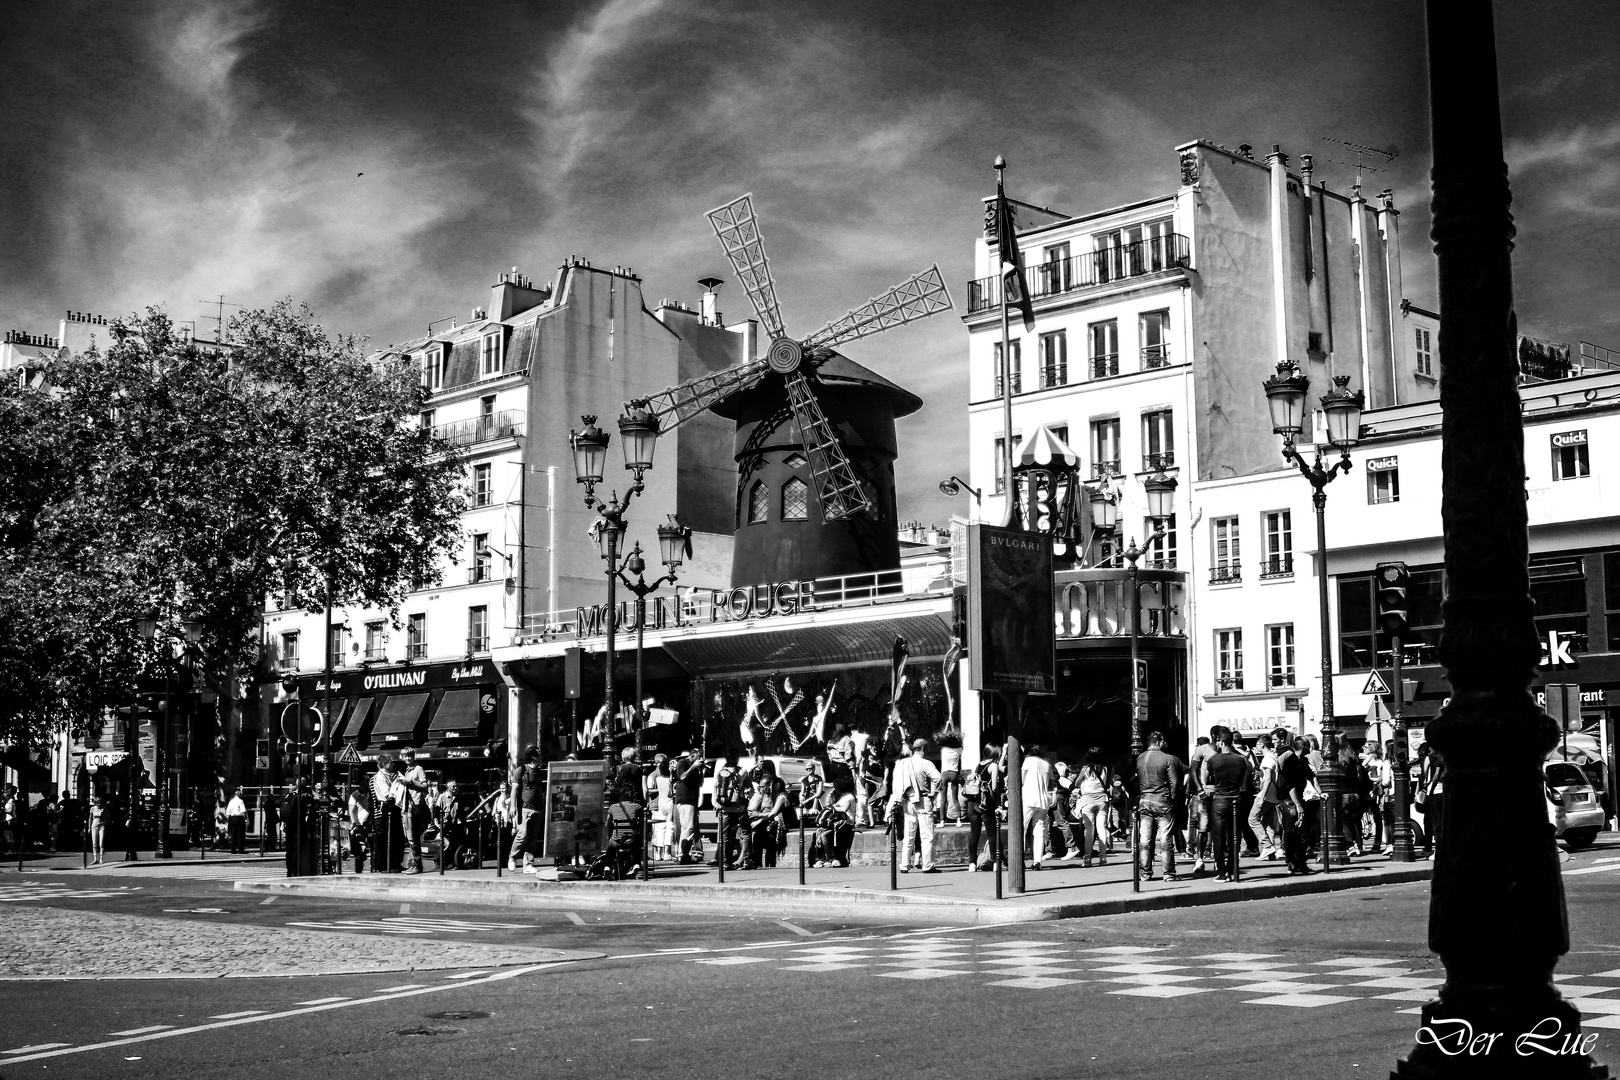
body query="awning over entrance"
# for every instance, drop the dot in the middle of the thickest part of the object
(401, 713)
(458, 715)
(355, 722)
(823, 645)
(340, 716)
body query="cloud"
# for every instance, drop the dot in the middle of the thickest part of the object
(1584, 168)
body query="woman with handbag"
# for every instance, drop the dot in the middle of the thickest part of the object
(1091, 788)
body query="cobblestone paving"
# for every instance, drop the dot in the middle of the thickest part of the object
(56, 943)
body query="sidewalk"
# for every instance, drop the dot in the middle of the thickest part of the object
(56, 862)
(953, 897)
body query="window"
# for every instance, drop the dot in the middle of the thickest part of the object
(1313, 338)
(1225, 551)
(795, 460)
(1161, 553)
(1104, 349)
(795, 500)
(486, 406)
(758, 503)
(340, 644)
(1569, 456)
(1158, 440)
(482, 494)
(433, 368)
(1054, 358)
(1154, 327)
(1363, 646)
(1425, 353)
(1611, 598)
(1060, 432)
(999, 465)
(1280, 655)
(416, 636)
(427, 419)
(1105, 448)
(289, 652)
(1558, 588)
(491, 362)
(1228, 660)
(1136, 249)
(477, 629)
(1055, 273)
(376, 641)
(1383, 481)
(1278, 558)
(1107, 550)
(481, 558)
(1017, 368)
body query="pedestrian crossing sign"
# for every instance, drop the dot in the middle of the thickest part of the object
(1375, 685)
(348, 755)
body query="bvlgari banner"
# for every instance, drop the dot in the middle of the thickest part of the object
(1011, 636)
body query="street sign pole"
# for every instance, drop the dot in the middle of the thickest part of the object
(1400, 826)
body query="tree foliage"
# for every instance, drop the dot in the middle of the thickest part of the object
(159, 475)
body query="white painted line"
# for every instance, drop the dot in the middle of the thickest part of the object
(36, 1046)
(397, 989)
(267, 900)
(235, 1015)
(801, 931)
(1592, 870)
(575, 919)
(141, 1031)
(321, 1001)
(466, 974)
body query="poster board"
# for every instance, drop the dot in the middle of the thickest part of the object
(1011, 634)
(574, 808)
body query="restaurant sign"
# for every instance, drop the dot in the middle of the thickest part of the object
(402, 678)
(697, 607)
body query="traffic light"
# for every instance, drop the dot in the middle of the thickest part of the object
(1392, 580)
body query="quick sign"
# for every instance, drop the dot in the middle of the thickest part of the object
(1558, 650)
(1569, 438)
(1383, 464)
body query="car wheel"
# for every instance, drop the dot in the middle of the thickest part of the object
(1579, 838)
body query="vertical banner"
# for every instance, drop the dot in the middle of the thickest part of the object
(574, 792)
(1011, 635)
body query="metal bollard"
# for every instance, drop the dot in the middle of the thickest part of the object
(997, 848)
(441, 850)
(801, 846)
(894, 865)
(86, 831)
(1136, 850)
(481, 846)
(720, 843)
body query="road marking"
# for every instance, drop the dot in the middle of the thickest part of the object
(321, 1001)
(235, 1015)
(163, 1031)
(467, 974)
(397, 989)
(141, 1031)
(1592, 870)
(575, 919)
(267, 900)
(801, 931)
(36, 1046)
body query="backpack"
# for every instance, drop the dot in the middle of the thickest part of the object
(728, 787)
(989, 787)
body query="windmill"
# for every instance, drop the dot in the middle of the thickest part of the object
(806, 372)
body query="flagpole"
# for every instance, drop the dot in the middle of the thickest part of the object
(1004, 222)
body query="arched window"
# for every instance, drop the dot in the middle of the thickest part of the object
(795, 500)
(758, 503)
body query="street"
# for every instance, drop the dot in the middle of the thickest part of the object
(1330, 983)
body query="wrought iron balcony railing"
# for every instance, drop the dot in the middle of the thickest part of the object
(1282, 678)
(1054, 375)
(1103, 469)
(479, 429)
(1017, 384)
(1278, 566)
(1159, 462)
(417, 650)
(1155, 356)
(1105, 365)
(1054, 278)
(374, 655)
(480, 572)
(1229, 682)
(1225, 573)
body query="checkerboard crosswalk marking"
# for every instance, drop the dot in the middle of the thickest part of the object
(47, 891)
(1036, 982)
(730, 961)
(1300, 1001)
(1161, 991)
(923, 973)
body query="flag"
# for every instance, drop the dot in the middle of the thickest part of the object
(1014, 286)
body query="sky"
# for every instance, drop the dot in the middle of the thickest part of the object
(384, 161)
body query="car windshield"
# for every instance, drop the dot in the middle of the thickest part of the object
(1563, 774)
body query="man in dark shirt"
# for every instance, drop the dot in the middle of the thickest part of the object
(1159, 776)
(684, 789)
(1226, 773)
(1292, 773)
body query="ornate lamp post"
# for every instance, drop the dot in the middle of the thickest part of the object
(148, 624)
(1285, 394)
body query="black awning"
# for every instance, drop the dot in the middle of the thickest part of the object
(355, 722)
(400, 716)
(457, 716)
(340, 717)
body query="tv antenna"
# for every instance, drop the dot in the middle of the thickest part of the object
(219, 319)
(1362, 153)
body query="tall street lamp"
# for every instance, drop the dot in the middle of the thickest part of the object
(1285, 394)
(148, 624)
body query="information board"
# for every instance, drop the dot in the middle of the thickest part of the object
(574, 808)
(1011, 635)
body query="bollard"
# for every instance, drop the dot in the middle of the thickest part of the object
(801, 846)
(894, 866)
(1136, 850)
(261, 824)
(86, 831)
(481, 845)
(720, 843)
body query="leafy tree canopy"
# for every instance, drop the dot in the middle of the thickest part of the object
(162, 476)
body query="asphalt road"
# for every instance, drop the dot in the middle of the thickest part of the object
(1317, 986)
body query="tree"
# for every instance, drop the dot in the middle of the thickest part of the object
(196, 482)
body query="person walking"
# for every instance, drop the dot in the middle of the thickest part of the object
(414, 817)
(1293, 773)
(1198, 798)
(236, 822)
(1035, 778)
(686, 784)
(981, 795)
(1263, 815)
(527, 799)
(1160, 779)
(661, 793)
(1225, 776)
(914, 783)
(1063, 822)
(98, 826)
(950, 777)
(1357, 790)
(1091, 806)
(731, 798)
(359, 814)
(1434, 787)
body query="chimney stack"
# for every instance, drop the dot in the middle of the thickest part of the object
(711, 299)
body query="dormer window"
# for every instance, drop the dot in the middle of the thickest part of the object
(491, 356)
(432, 363)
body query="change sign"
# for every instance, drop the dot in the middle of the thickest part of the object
(1011, 636)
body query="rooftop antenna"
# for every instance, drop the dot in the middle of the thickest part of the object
(219, 319)
(1363, 152)
(447, 318)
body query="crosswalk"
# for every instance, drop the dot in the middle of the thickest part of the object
(404, 925)
(48, 890)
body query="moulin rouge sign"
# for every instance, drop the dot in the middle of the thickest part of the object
(696, 607)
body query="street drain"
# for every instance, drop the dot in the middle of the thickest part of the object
(427, 1031)
(457, 1015)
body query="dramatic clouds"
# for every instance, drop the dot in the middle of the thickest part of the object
(165, 151)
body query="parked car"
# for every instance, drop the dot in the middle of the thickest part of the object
(1573, 805)
(791, 770)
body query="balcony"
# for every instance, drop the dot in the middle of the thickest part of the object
(1281, 679)
(287, 663)
(1101, 470)
(478, 572)
(1054, 375)
(1225, 574)
(1061, 276)
(1278, 566)
(477, 643)
(1227, 683)
(1105, 365)
(1155, 356)
(1017, 383)
(376, 655)
(1159, 462)
(416, 650)
(481, 429)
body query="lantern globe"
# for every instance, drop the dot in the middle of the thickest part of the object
(1104, 509)
(1342, 407)
(1285, 395)
(1161, 495)
(146, 623)
(672, 541)
(590, 451)
(638, 432)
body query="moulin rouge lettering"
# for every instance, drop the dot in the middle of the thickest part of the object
(703, 606)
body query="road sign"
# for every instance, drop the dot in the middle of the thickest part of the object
(1375, 685)
(348, 755)
(1564, 705)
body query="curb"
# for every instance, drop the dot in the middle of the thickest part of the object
(808, 901)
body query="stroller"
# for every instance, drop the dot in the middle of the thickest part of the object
(621, 856)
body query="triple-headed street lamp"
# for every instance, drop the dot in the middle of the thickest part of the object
(1341, 408)
(149, 624)
(638, 430)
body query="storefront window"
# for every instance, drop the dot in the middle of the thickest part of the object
(1558, 587)
(1361, 647)
(1611, 597)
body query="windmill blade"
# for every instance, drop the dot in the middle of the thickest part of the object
(675, 405)
(838, 489)
(917, 297)
(738, 230)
